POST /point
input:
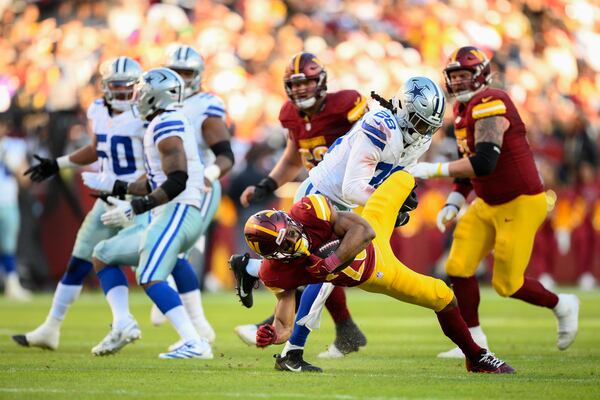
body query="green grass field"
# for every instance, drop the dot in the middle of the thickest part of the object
(398, 363)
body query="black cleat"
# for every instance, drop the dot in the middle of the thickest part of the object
(488, 363)
(244, 282)
(21, 339)
(293, 362)
(348, 337)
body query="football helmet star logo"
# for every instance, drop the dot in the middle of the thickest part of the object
(417, 91)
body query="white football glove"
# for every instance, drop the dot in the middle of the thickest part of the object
(101, 181)
(120, 214)
(454, 203)
(425, 170)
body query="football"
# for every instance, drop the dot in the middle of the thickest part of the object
(327, 248)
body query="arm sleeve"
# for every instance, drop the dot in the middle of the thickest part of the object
(361, 166)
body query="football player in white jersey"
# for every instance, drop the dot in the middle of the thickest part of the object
(206, 112)
(13, 162)
(381, 142)
(174, 190)
(117, 141)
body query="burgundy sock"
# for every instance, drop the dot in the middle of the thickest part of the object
(466, 291)
(456, 329)
(534, 292)
(336, 305)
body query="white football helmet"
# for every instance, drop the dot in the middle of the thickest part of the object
(419, 105)
(118, 77)
(158, 89)
(189, 64)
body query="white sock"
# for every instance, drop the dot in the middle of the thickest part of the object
(64, 296)
(182, 324)
(288, 346)
(118, 299)
(253, 266)
(478, 336)
(192, 301)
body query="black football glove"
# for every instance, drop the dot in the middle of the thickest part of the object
(263, 189)
(42, 171)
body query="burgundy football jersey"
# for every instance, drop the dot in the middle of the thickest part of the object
(314, 135)
(515, 172)
(314, 213)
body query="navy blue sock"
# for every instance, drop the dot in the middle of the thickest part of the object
(163, 296)
(77, 270)
(300, 333)
(185, 276)
(9, 262)
(110, 277)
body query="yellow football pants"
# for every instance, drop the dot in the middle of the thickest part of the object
(508, 229)
(390, 276)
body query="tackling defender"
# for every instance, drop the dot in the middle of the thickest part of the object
(364, 259)
(314, 119)
(382, 142)
(117, 141)
(510, 206)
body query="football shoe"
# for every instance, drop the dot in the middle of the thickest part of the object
(479, 338)
(45, 336)
(204, 329)
(116, 339)
(567, 315)
(348, 339)
(244, 282)
(191, 349)
(488, 363)
(247, 333)
(293, 362)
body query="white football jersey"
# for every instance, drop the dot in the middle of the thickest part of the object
(197, 108)
(174, 123)
(12, 155)
(363, 158)
(119, 139)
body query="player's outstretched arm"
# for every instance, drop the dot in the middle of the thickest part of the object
(284, 315)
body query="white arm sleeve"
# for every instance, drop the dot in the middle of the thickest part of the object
(361, 166)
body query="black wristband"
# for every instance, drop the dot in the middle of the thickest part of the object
(140, 205)
(120, 188)
(268, 184)
(223, 148)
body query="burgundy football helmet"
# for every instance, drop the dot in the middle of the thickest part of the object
(472, 59)
(276, 236)
(302, 67)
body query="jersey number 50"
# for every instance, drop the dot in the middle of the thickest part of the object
(121, 152)
(311, 157)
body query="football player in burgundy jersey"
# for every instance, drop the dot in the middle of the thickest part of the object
(497, 163)
(314, 119)
(364, 258)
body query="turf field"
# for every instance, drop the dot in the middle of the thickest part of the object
(398, 363)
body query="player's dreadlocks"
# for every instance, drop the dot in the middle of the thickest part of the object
(384, 103)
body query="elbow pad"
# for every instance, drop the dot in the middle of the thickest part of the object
(485, 158)
(175, 184)
(223, 148)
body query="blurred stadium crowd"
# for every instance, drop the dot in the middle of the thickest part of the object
(544, 53)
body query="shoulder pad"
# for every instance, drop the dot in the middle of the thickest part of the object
(489, 103)
(379, 125)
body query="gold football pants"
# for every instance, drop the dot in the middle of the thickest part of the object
(390, 276)
(508, 229)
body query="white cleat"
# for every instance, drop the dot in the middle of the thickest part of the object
(191, 349)
(247, 333)
(43, 337)
(331, 352)
(479, 338)
(567, 316)
(14, 291)
(156, 316)
(117, 339)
